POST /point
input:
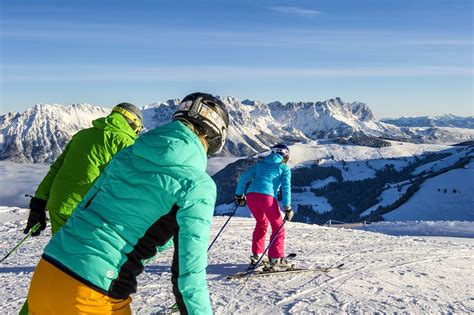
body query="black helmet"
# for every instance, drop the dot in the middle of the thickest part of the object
(132, 114)
(209, 115)
(281, 149)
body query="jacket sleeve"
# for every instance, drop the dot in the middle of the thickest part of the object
(42, 192)
(190, 256)
(244, 178)
(286, 186)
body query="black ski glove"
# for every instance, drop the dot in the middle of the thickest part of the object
(288, 213)
(240, 200)
(37, 215)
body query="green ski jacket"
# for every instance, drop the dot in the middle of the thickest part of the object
(80, 164)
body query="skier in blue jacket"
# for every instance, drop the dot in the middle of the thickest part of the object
(267, 176)
(152, 193)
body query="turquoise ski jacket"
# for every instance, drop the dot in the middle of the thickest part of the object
(151, 193)
(267, 177)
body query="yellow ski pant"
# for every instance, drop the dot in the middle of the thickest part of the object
(52, 291)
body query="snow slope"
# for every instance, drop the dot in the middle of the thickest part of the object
(384, 274)
(387, 197)
(432, 203)
(326, 152)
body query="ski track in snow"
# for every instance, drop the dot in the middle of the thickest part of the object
(381, 273)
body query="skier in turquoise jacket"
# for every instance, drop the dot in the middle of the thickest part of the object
(267, 177)
(152, 194)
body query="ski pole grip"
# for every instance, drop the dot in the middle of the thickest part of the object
(35, 227)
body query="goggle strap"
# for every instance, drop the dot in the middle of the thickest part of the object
(128, 115)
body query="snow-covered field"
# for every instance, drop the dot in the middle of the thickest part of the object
(444, 197)
(382, 273)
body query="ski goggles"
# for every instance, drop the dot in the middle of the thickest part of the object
(200, 108)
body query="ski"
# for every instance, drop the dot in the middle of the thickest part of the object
(266, 263)
(258, 273)
(251, 268)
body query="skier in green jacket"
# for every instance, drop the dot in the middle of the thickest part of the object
(152, 194)
(80, 164)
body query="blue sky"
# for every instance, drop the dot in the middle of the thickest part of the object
(400, 57)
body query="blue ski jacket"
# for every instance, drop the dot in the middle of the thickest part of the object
(152, 193)
(267, 176)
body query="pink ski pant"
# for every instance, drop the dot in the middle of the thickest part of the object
(265, 209)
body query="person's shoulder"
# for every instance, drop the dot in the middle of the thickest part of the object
(204, 179)
(202, 187)
(85, 133)
(285, 167)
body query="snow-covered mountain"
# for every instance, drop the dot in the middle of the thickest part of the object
(331, 118)
(39, 134)
(252, 127)
(439, 135)
(448, 120)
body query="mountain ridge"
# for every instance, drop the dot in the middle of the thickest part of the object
(39, 134)
(446, 120)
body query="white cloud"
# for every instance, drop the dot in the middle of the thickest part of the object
(117, 35)
(128, 73)
(296, 11)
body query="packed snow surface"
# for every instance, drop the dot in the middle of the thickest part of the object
(424, 228)
(381, 273)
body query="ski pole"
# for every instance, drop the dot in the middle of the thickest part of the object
(230, 217)
(32, 230)
(261, 257)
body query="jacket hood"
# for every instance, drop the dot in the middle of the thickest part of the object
(114, 122)
(172, 144)
(273, 158)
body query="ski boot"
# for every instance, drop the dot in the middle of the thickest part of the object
(254, 260)
(279, 264)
